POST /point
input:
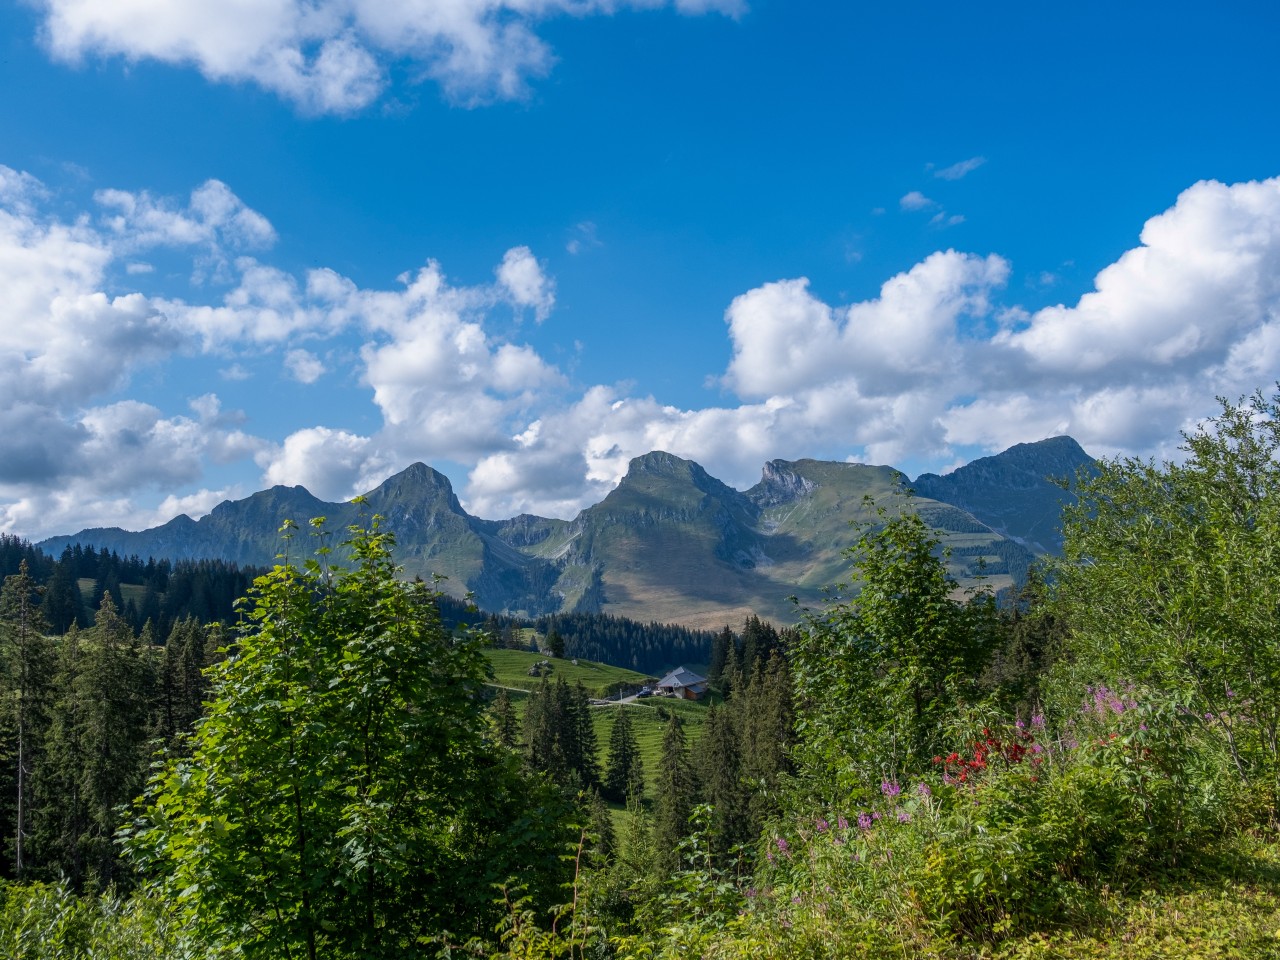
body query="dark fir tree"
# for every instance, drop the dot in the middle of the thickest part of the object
(676, 787)
(26, 662)
(720, 646)
(586, 747)
(732, 679)
(61, 817)
(182, 684)
(115, 707)
(63, 603)
(543, 744)
(766, 722)
(719, 762)
(624, 774)
(759, 641)
(506, 726)
(559, 739)
(1031, 639)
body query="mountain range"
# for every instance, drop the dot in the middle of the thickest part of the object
(669, 543)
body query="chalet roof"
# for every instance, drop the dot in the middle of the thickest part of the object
(681, 677)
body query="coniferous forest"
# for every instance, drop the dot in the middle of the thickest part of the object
(1090, 768)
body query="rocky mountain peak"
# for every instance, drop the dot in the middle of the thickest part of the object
(780, 483)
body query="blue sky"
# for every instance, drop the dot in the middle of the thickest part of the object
(265, 241)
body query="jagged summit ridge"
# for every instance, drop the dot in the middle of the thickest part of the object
(670, 542)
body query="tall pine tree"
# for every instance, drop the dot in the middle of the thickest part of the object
(624, 774)
(26, 673)
(677, 792)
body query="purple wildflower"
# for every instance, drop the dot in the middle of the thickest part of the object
(890, 788)
(822, 825)
(782, 847)
(1037, 721)
(924, 790)
(842, 823)
(904, 817)
(864, 821)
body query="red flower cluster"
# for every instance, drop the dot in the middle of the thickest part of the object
(961, 769)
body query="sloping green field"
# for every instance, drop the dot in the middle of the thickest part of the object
(511, 669)
(649, 716)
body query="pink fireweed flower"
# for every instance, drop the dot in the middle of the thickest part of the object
(864, 821)
(1037, 721)
(890, 788)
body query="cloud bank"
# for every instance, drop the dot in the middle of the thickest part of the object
(937, 364)
(334, 56)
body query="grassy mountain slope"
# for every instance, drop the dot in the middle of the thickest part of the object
(669, 543)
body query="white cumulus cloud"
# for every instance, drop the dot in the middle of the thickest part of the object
(937, 364)
(333, 56)
(521, 276)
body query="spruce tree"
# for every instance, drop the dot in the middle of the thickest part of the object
(767, 727)
(115, 711)
(720, 647)
(720, 766)
(506, 726)
(543, 746)
(63, 604)
(624, 775)
(60, 814)
(676, 787)
(26, 659)
(182, 684)
(586, 747)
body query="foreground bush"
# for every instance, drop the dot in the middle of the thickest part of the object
(1011, 842)
(341, 797)
(40, 921)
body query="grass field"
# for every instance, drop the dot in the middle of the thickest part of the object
(511, 669)
(649, 716)
(128, 591)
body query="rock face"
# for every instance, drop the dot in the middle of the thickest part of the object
(1014, 492)
(669, 543)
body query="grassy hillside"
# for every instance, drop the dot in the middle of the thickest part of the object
(649, 716)
(511, 669)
